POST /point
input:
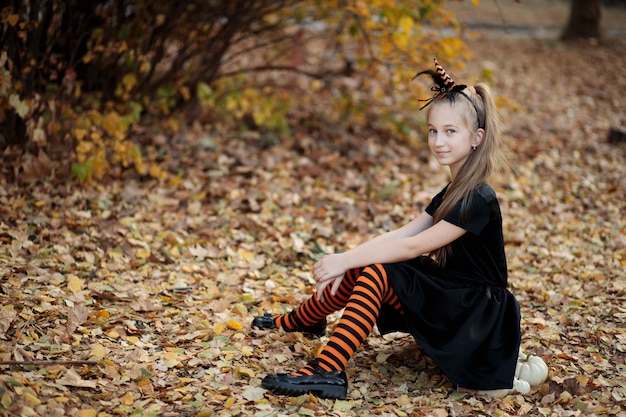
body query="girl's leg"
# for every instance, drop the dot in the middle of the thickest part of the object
(313, 311)
(370, 292)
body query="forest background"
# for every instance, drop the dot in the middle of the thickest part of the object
(154, 203)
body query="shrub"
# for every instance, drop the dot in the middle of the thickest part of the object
(81, 73)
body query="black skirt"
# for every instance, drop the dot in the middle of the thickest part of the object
(471, 330)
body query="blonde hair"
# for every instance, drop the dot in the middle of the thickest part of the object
(481, 162)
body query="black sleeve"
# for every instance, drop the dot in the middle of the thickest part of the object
(475, 218)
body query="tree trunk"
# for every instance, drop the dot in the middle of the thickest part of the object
(584, 20)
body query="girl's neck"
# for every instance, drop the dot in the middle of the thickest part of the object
(453, 173)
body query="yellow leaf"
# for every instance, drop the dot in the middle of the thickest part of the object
(386, 47)
(129, 81)
(260, 117)
(75, 284)
(362, 8)
(146, 387)
(229, 402)
(219, 328)
(143, 254)
(113, 334)
(184, 91)
(155, 171)
(98, 351)
(247, 372)
(99, 166)
(406, 24)
(132, 339)
(582, 380)
(171, 356)
(231, 104)
(401, 39)
(139, 166)
(6, 400)
(87, 57)
(113, 125)
(31, 400)
(128, 399)
(246, 255)
(87, 412)
(235, 325)
(12, 19)
(145, 67)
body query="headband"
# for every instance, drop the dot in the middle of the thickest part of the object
(445, 87)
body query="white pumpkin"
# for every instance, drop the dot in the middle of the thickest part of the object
(521, 386)
(531, 369)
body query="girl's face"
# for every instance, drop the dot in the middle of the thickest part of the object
(449, 137)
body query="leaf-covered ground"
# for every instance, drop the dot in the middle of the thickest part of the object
(135, 297)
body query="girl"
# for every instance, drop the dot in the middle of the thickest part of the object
(442, 277)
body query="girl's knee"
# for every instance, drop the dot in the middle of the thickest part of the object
(376, 271)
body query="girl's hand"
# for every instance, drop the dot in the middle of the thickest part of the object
(329, 269)
(320, 286)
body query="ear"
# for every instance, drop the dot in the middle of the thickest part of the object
(478, 137)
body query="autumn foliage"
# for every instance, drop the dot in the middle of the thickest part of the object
(79, 77)
(205, 206)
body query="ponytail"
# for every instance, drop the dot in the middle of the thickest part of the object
(481, 162)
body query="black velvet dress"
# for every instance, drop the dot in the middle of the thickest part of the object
(462, 315)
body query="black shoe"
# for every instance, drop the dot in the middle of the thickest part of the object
(266, 321)
(333, 385)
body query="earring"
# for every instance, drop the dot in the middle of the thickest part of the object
(474, 148)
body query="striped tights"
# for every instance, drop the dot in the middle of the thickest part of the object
(362, 292)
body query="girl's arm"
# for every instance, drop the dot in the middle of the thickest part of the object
(415, 226)
(398, 246)
(405, 248)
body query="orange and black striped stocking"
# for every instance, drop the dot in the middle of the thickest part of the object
(369, 293)
(313, 311)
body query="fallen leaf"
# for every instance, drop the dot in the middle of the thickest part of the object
(75, 284)
(98, 352)
(254, 393)
(76, 316)
(7, 315)
(72, 379)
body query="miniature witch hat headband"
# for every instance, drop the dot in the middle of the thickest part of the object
(445, 87)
